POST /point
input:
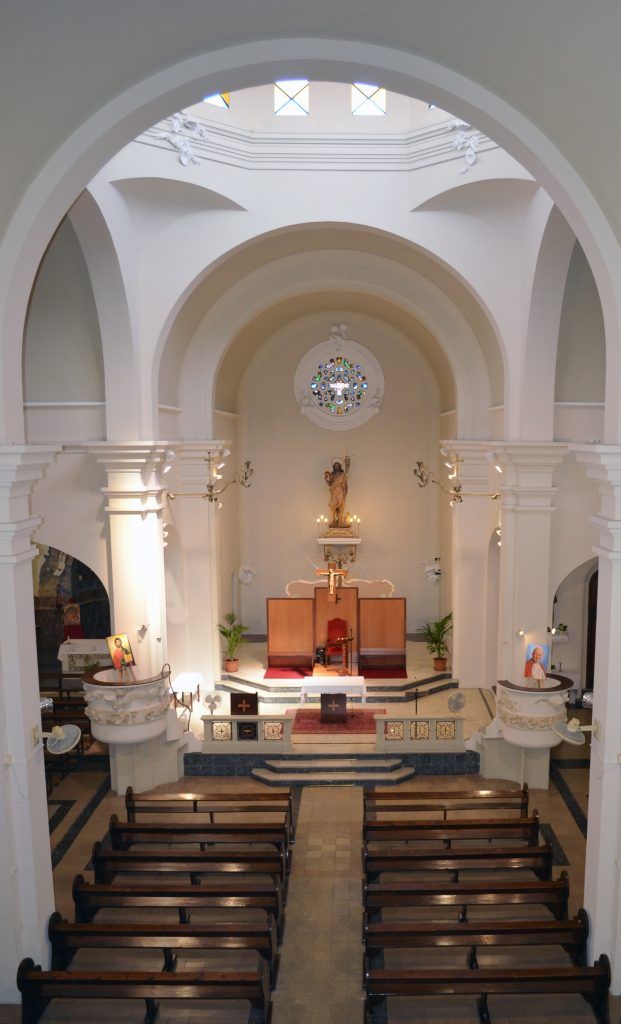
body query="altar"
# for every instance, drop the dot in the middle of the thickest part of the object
(352, 686)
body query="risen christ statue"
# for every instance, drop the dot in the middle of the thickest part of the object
(336, 480)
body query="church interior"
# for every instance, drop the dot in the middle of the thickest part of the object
(310, 518)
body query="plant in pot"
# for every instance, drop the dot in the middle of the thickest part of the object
(233, 633)
(435, 635)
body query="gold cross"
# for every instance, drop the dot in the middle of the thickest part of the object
(243, 705)
(333, 706)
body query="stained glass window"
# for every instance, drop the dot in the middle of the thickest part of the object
(219, 99)
(292, 98)
(339, 386)
(368, 99)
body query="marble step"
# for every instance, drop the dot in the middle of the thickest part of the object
(335, 778)
(354, 764)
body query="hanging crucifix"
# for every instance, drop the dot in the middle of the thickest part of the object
(334, 574)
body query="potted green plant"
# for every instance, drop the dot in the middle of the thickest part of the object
(435, 635)
(233, 633)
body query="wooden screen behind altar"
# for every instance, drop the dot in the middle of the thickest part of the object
(345, 607)
(381, 625)
(290, 632)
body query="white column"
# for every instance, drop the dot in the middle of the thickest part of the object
(473, 523)
(135, 505)
(525, 601)
(602, 888)
(194, 520)
(26, 890)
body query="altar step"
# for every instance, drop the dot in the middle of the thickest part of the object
(333, 771)
(387, 692)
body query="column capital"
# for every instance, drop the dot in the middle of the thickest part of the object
(193, 456)
(527, 473)
(474, 466)
(21, 466)
(603, 464)
(135, 472)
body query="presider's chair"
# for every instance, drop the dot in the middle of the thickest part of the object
(337, 629)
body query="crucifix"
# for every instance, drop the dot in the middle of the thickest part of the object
(333, 573)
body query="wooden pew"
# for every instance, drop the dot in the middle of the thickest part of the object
(533, 858)
(592, 983)
(109, 863)
(39, 987)
(223, 893)
(552, 894)
(377, 799)
(125, 835)
(571, 935)
(448, 831)
(225, 802)
(66, 939)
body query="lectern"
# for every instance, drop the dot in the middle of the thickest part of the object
(333, 708)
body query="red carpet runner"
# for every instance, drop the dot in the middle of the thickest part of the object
(358, 722)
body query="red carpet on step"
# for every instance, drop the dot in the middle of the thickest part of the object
(358, 722)
(385, 673)
(285, 673)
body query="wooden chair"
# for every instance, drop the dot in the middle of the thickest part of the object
(337, 628)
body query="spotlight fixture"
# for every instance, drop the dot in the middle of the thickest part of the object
(519, 632)
(452, 462)
(212, 490)
(492, 458)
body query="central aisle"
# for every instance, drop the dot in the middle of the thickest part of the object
(320, 977)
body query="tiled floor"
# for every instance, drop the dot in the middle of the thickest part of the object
(321, 956)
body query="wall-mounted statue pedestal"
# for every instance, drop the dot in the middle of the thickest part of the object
(516, 745)
(134, 718)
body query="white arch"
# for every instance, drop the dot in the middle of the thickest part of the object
(122, 384)
(538, 369)
(334, 271)
(79, 156)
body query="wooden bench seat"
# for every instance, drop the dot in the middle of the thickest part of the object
(377, 799)
(533, 858)
(592, 983)
(552, 894)
(448, 831)
(66, 939)
(221, 860)
(39, 987)
(224, 802)
(224, 893)
(571, 935)
(124, 835)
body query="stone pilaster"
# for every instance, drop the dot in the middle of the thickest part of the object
(197, 641)
(602, 887)
(26, 891)
(135, 504)
(527, 504)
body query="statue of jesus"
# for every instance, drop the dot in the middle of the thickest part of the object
(336, 480)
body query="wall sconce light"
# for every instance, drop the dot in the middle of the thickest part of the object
(493, 459)
(168, 461)
(519, 632)
(453, 461)
(212, 490)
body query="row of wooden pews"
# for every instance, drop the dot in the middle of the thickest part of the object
(490, 832)
(173, 870)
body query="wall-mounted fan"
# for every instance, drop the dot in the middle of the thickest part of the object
(456, 702)
(62, 738)
(572, 731)
(212, 701)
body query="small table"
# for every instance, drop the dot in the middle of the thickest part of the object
(351, 685)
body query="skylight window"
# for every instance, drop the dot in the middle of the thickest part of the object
(292, 98)
(368, 100)
(219, 99)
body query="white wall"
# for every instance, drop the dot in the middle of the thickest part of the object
(290, 453)
(581, 356)
(571, 608)
(62, 345)
(70, 502)
(230, 556)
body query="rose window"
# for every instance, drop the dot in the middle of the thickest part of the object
(339, 386)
